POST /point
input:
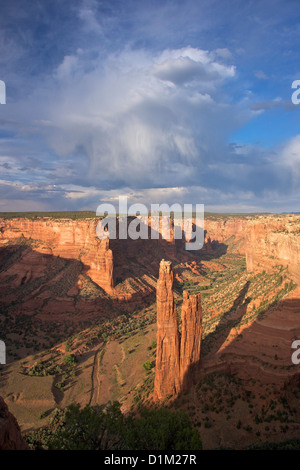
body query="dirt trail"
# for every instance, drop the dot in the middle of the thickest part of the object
(104, 383)
(95, 377)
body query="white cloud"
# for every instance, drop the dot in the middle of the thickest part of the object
(155, 127)
(260, 74)
(182, 66)
(67, 67)
(139, 117)
(87, 14)
(224, 53)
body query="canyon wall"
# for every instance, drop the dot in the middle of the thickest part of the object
(223, 229)
(75, 239)
(10, 434)
(177, 355)
(273, 240)
(125, 269)
(265, 240)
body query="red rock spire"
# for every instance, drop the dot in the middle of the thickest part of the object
(167, 378)
(177, 355)
(190, 342)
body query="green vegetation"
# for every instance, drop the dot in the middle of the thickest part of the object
(70, 359)
(53, 215)
(148, 365)
(231, 298)
(44, 368)
(143, 391)
(234, 290)
(152, 346)
(92, 214)
(93, 428)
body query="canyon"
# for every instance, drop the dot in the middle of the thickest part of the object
(271, 241)
(215, 326)
(68, 239)
(77, 239)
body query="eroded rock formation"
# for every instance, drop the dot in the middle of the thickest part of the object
(177, 354)
(167, 376)
(102, 266)
(10, 434)
(71, 239)
(271, 241)
(190, 341)
(103, 259)
(224, 229)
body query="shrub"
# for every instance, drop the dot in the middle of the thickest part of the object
(148, 365)
(70, 359)
(92, 428)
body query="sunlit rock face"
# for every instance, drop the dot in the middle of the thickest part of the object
(270, 241)
(190, 341)
(71, 239)
(167, 377)
(178, 355)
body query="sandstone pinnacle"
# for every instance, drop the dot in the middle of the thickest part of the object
(178, 355)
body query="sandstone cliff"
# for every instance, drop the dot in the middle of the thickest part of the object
(273, 240)
(104, 260)
(178, 355)
(10, 434)
(71, 239)
(222, 230)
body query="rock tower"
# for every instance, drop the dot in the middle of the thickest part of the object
(178, 355)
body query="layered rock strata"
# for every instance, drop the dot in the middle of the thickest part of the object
(167, 375)
(178, 355)
(71, 239)
(190, 341)
(272, 241)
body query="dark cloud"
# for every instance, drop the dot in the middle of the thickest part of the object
(107, 97)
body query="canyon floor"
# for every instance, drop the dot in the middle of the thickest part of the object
(69, 341)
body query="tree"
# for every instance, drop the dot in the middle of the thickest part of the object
(70, 359)
(147, 365)
(93, 428)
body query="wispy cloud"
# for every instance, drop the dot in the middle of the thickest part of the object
(108, 97)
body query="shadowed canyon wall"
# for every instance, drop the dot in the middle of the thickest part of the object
(10, 434)
(223, 229)
(67, 238)
(178, 355)
(266, 241)
(77, 239)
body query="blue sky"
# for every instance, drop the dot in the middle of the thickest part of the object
(162, 101)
